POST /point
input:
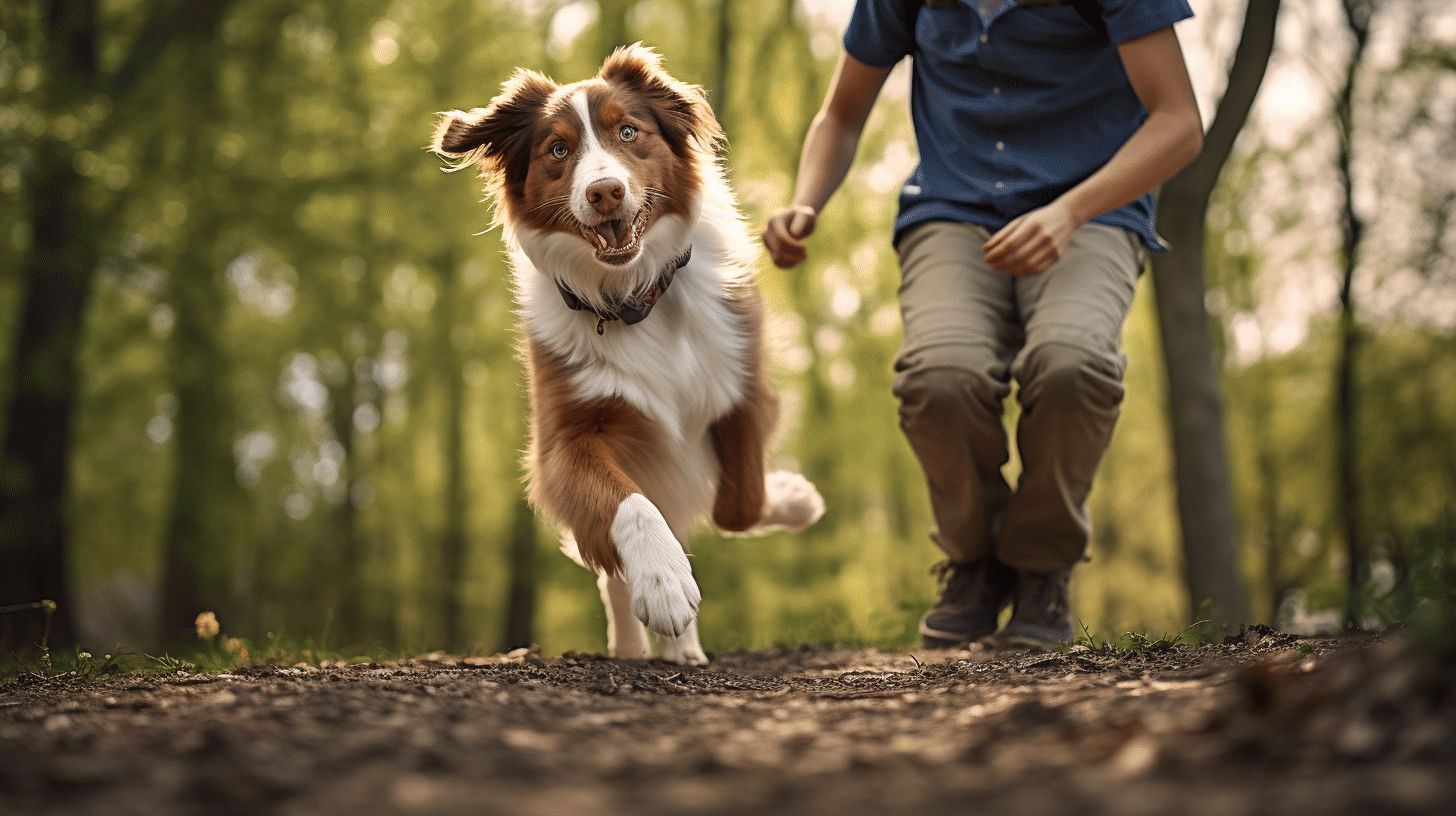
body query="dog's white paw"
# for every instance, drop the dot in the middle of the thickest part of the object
(684, 649)
(793, 503)
(665, 601)
(664, 595)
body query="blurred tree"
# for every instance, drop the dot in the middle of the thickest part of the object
(454, 537)
(1195, 408)
(298, 396)
(722, 74)
(33, 458)
(197, 562)
(518, 627)
(354, 394)
(69, 220)
(612, 27)
(1347, 428)
(1284, 220)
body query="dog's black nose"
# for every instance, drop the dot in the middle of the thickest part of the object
(605, 195)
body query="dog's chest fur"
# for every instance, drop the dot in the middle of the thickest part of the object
(684, 366)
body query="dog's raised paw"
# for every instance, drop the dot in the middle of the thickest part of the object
(664, 595)
(666, 602)
(793, 503)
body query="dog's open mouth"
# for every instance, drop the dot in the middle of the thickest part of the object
(618, 241)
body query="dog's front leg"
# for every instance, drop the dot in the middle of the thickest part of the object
(749, 500)
(739, 439)
(577, 477)
(626, 637)
(664, 594)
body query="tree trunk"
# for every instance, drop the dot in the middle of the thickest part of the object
(351, 620)
(36, 448)
(722, 76)
(522, 558)
(454, 536)
(197, 547)
(611, 26)
(1357, 18)
(1216, 586)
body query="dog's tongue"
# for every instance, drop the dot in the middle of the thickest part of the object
(616, 233)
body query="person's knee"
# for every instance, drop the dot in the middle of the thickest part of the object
(1069, 375)
(940, 393)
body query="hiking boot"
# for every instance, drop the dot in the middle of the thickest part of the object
(1040, 613)
(970, 602)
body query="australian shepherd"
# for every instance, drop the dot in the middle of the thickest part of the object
(643, 332)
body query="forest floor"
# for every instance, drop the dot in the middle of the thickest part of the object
(1270, 724)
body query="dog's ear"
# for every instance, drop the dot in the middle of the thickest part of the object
(497, 137)
(683, 111)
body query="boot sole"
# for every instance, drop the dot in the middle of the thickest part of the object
(932, 638)
(1022, 641)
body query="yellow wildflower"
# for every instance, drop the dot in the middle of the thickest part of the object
(207, 625)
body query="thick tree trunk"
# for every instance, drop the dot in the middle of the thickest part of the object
(1216, 586)
(197, 548)
(36, 448)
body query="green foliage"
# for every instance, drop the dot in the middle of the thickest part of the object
(301, 379)
(75, 664)
(1139, 642)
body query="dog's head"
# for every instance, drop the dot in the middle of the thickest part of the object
(606, 172)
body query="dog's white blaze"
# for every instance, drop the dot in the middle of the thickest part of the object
(595, 162)
(664, 594)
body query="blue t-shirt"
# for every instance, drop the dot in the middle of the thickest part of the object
(1014, 108)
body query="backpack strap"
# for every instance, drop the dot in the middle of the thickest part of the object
(1091, 11)
(909, 13)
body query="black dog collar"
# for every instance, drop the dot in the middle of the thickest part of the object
(635, 308)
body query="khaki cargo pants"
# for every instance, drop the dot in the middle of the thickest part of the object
(969, 331)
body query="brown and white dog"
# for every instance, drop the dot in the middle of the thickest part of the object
(634, 278)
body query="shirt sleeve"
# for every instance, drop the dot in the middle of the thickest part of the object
(879, 34)
(1129, 19)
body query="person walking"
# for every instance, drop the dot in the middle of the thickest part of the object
(1042, 129)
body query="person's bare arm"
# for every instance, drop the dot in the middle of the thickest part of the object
(829, 149)
(1166, 143)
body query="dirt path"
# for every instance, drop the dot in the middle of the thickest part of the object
(1280, 726)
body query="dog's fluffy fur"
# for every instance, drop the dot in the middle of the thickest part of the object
(638, 432)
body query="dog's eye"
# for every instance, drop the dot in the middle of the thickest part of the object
(559, 150)
(628, 133)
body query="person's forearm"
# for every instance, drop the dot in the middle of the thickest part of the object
(1165, 144)
(829, 150)
(833, 136)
